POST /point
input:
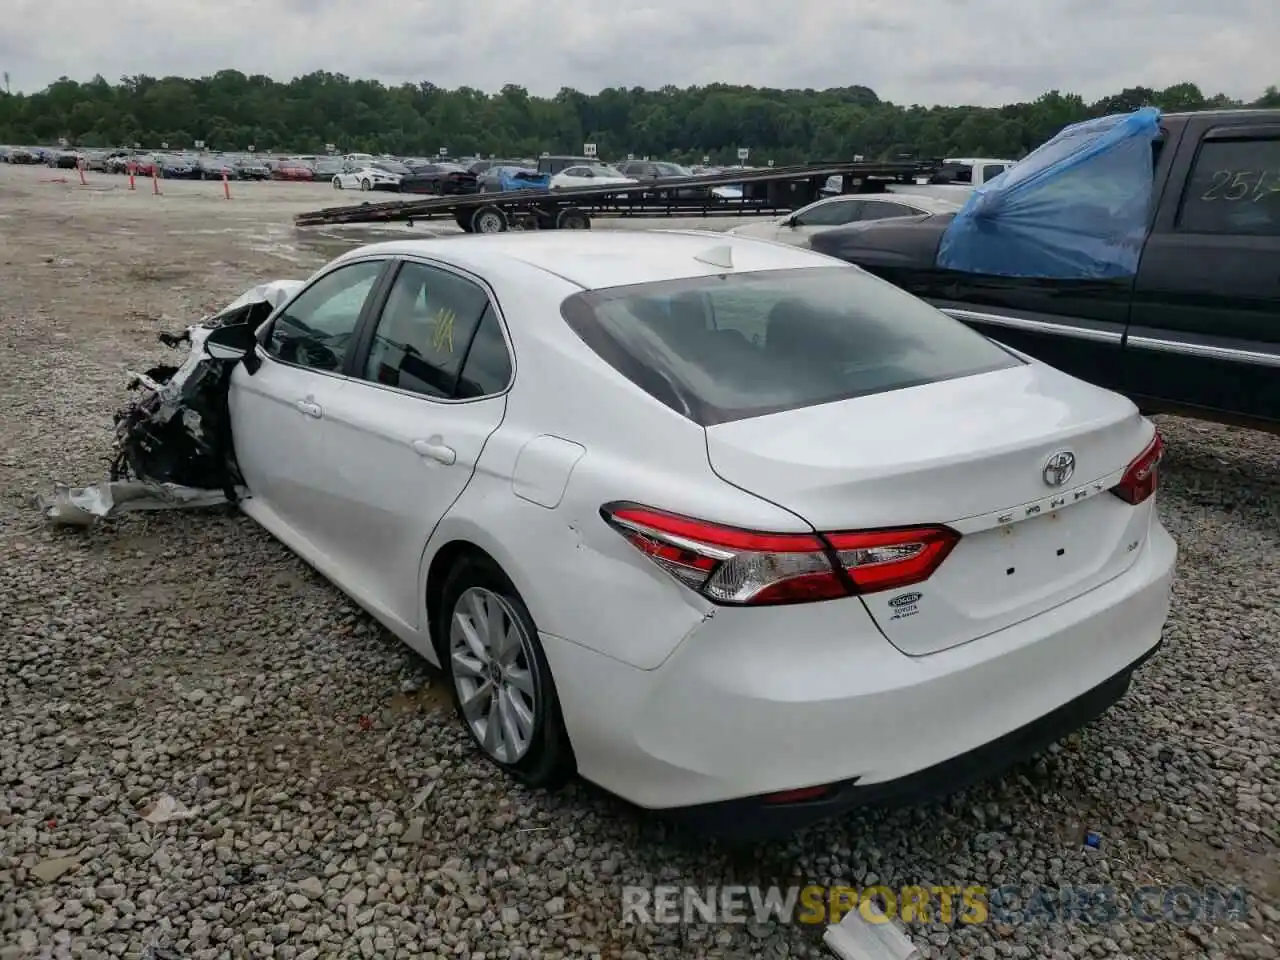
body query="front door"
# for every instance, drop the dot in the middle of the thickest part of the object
(278, 410)
(1204, 327)
(405, 434)
(823, 215)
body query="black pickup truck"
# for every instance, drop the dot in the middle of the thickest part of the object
(1196, 330)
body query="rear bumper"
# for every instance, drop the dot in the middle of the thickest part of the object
(754, 818)
(755, 702)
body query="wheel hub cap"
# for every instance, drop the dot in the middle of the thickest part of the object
(491, 661)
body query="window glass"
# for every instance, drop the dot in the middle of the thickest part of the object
(487, 369)
(833, 214)
(424, 330)
(316, 330)
(992, 170)
(1234, 189)
(880, 209)
(741, 345)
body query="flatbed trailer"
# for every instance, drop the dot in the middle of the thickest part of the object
(771, 191)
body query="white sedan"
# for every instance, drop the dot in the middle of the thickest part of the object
(598, 175)
(796, 228)
(366, 178)
(726, 527)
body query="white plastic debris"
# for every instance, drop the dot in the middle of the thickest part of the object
(856, 938)
(82, 506)
(166, 808)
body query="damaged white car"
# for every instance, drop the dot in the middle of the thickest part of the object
(725, 526)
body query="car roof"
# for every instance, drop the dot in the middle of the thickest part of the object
(1224, 113)
(600, 259)
(932, 204)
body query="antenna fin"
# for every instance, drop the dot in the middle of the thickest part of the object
(721, 256)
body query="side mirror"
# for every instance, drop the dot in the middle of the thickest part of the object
(790, 222)
(231, 342)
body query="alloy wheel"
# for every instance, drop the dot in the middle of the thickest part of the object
(491, 661)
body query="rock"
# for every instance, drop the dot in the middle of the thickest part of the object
(354, 897)
(47, 871)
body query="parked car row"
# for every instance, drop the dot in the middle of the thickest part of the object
(364, 171)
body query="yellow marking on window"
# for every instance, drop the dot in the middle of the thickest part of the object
(442, 330)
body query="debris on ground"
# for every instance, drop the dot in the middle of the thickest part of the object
(166, 808)
(47, 871)
(81, 506)
(867, 934)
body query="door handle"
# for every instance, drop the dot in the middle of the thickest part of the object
(436, 451)
(309, 408)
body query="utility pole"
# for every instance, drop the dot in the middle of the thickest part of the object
(6, 81)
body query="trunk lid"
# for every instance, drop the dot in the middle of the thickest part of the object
(971, 453)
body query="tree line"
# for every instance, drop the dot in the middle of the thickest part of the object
(231, 111)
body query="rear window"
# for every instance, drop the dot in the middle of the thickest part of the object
(735, 346)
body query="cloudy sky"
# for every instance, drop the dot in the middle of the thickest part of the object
(908, 51)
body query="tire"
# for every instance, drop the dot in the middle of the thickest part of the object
(537, 752)
(337, 184)
(571, 218)
(366, 185)
(488, 220)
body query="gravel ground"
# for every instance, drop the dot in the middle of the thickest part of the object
(336, 808)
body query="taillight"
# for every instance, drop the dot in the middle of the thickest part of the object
(889, 559)
(1143, 475)
(730, 565)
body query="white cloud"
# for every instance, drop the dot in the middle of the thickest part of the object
(909, 51)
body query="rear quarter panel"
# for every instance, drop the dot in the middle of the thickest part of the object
(580, 579)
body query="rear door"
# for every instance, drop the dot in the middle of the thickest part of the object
(877, 208)
(403, 438)
(1204, 330)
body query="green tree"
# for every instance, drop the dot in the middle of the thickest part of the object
(231, 110)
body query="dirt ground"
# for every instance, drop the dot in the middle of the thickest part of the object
(194, 655)
(177, 254)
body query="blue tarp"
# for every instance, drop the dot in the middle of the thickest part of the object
(1075, 209)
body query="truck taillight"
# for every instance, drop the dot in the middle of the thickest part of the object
(730, 565)
(1143, 475)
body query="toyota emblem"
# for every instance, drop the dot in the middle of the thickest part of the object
(1059, 468)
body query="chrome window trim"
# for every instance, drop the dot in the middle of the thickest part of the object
(1034, 326)
(1186, 348)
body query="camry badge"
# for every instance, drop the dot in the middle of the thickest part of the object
(1059, 468)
